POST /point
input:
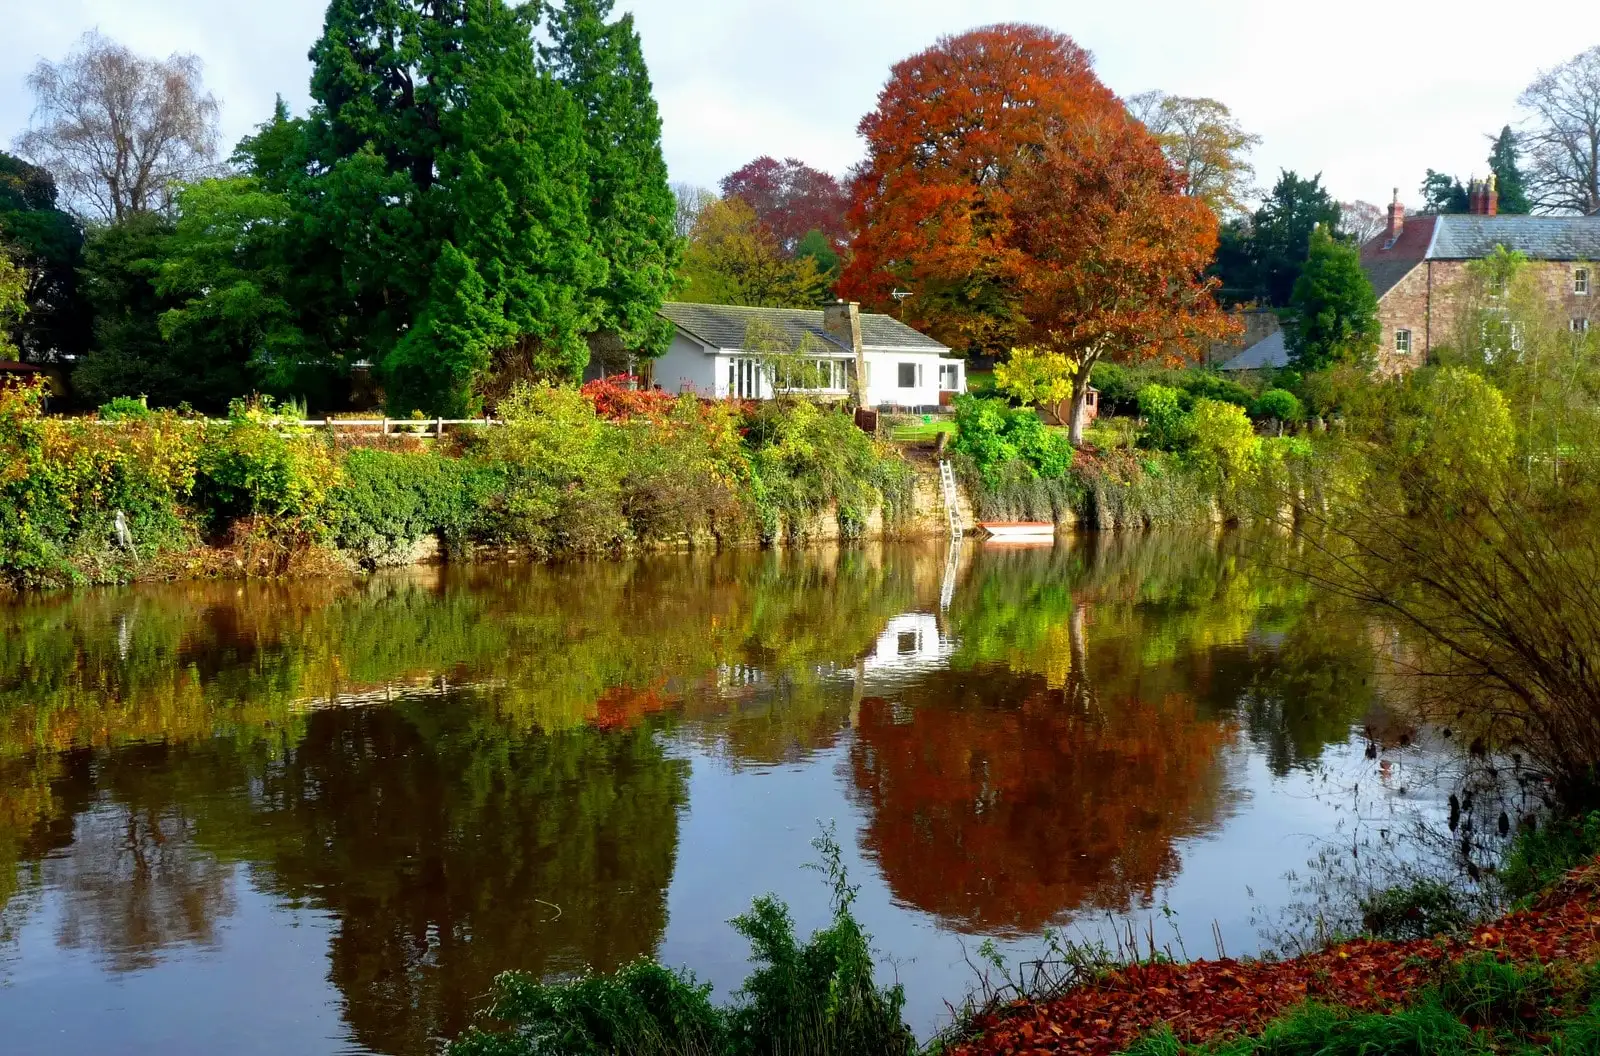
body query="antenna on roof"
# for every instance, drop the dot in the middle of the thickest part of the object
(900, 295)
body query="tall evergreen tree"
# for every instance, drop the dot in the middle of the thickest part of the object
(1259, 259)
(1443, 193)
(1333, 313)
(433, 128)
(1504, 163)
(631, 206)
(46, 242)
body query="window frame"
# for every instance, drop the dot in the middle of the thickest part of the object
(1578, 324)
(911, 370)
(1580, 282)
(1402, 341)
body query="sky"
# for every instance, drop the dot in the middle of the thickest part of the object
(1368, 93)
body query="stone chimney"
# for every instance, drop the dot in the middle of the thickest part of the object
(1397, 218)
(842, 321)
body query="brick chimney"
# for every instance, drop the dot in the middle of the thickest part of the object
(842, 321)
(1397, 218)
(1483, 199)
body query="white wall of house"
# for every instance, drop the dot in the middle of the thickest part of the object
(686, 366)
(903, 378)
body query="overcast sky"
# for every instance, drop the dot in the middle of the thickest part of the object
(1370, 93)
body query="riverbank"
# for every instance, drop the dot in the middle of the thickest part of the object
(1529, 976)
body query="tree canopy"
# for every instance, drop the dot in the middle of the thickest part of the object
(1562, 137)
(733, 258)
(1333, 315)
(1205, 143)
(1505, 162)
(791, 198)
(1259, 259)
(46, 243)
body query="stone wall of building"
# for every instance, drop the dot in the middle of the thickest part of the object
(1430, 302)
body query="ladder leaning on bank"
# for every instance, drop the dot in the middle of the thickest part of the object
(947, 486)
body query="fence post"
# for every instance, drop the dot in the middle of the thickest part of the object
(385, 426)
(438, 428)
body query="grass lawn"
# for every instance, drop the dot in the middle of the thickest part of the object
(922, 432)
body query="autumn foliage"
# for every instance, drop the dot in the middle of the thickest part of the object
(1010, 191)
(791, 198)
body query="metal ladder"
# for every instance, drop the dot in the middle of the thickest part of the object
(947, 485)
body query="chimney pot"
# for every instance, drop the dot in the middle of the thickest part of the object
(1397, 218)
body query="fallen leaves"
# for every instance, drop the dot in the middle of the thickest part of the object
(1202, 999)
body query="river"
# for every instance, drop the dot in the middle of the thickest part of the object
(319, 817)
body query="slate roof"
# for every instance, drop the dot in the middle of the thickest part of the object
(723, 326)
(1535, 237)
(1270, 351)
(1386, 265)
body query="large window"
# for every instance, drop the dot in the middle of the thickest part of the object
(1402, 342)
(950, 377)
(1580, 326)
(1580, 281)
(910, 375)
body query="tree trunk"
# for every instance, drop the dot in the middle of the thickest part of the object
(1080, 400)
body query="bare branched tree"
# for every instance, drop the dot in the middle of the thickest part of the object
(692, 201)
(1205, 143)
(1562, 137)
(1362, 221)
(119, 131)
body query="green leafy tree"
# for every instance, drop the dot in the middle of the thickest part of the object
(1442, 193)
(1505, 163)
(1259, 259)
(820, 248)
(432, 125)
(733, 258)
(127, 354)
(1333, 315)
(46, 243)
(632, 210)
(13, 303)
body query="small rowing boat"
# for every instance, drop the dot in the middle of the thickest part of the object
(1019, 531)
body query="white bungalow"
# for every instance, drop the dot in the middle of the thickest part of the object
(904, 368)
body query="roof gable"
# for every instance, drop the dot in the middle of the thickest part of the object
(723, 326)
(1386, 264)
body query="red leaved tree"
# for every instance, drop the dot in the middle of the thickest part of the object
(931, 206)
(954, 198)
(1109, 255)
(791, 198)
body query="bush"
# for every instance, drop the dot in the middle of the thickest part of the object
(1414, 911)
(387, 501)
(804, 458)
(816, 997)
(260, 462)
(1225, 448)
(1167, 426)
(123, 409)
(1542, 854)
(994, 435)
(1486, 991)
(686, 473)
(1277, 405)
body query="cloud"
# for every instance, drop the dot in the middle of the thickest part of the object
(1370, 94)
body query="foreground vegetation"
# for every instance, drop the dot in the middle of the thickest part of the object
(151, 494)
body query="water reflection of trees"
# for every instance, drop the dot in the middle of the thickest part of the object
(154, 741)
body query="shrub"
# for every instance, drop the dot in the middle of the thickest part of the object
(687, 473)
(1542, 854)
(643, 1009)
(1414, 911)
(1225, 448)
(260, 462)
(981, 432)
(561, 468)
(124, 408)
(1486, 991)
(804, 458)
(387, 501)
(1277, 405)
(1167, 427)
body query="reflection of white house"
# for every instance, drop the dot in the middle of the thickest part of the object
(904, 368)
(910, 644)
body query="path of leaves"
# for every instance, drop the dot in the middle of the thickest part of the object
(1205, 998)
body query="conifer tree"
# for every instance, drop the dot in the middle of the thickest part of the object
(1503, 162)
(631, 209)
(433, 127)
(1333, 313)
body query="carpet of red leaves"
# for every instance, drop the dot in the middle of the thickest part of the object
(1202, 999)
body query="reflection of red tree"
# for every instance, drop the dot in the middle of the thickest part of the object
(623, 707)
(1007, 819)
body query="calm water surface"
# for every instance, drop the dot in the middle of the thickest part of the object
(320, 817)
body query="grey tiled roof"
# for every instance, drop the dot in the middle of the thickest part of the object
(723, 326)
(1270, 351)
(1536, 237)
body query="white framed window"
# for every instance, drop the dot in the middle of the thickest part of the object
(1402, 342)
(1580, 281)
(1516, 337)
(949, 377)
(910, 375)
(1580, 326)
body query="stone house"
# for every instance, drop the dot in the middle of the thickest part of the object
(1418, 267)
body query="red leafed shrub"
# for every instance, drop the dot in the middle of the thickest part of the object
(617, 397)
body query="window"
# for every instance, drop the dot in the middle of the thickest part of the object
(910, 375)
(950, 377)
(1580, 281)
(1402, 342)
(744, 379)
(1580, 326)
(1497, 286)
